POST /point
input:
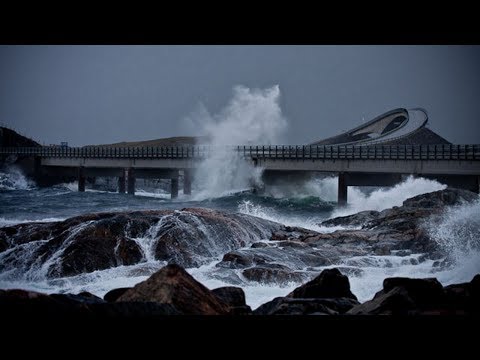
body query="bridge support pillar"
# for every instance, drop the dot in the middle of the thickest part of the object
(121, 184)
(131, 181)
(187, 182)
(81, 179)
(342, 189)
(174, 188)
(37, 168)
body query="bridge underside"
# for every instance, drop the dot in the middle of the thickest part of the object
(345, 179)
(126, 176)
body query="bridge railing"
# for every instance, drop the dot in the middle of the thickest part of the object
(303, 152)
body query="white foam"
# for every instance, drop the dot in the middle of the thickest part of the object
(12, 178)
(268, 213)
(11, 222)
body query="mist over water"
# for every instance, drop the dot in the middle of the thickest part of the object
(252, 116)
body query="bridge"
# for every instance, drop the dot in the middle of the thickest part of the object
(366, 164)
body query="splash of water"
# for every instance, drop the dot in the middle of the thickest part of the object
(378, 200)
(326, 190)
(12, 178)
(253, 116)
(458, 234)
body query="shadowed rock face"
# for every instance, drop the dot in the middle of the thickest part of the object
(329, 284)
(190, 237)
(173, 285)
(404, 296)
(327, 294)
(172, 291)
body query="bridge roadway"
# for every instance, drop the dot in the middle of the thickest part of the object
(457, 164)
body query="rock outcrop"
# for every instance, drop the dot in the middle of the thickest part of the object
(190, 237)
(172, 291)
(173, 285)
(328, 294)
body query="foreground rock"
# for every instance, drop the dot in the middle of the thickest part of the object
(24, 305)
(404, 296)
(234, 297)
(329, 284)
(173, 285)
(328, 294)
(172, 291)
(190, 237)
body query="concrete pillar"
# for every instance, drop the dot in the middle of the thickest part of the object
(37, 168)
(131, 181)
(174, 191)
(187, 182)
(81, 179)
(121, 184)
(342, 189)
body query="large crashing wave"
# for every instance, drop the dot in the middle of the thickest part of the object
(458, 234)
(325, 191)
(251, 116)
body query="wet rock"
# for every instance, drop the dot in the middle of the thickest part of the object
(236, 260)
(272, 274)
(396, 229)
(173, 285)
(3, 244)
(329, 284)
(441, 198)
(357, 219)
(114, 294)
(259, 245)
(234, 297)
(190, 237)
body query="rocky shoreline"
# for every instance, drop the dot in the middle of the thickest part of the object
(249, 249)
(172, 291)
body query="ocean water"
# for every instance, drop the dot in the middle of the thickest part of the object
(459, 231)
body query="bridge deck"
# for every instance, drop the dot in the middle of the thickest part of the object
(416, 159)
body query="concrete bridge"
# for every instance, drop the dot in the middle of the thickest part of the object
(366, 165)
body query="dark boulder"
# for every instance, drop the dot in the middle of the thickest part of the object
(357, 219)
(299, 306)
(173, 285)
(329, 284)
(114, 294)
(441, 198)
(22, 305)
(464, 298)
(272, 274)
(403, 296)
(234, 297)
(236, 260)
(190, 237)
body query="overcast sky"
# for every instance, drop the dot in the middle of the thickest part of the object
(104, 94)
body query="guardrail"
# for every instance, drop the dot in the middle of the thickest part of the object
(300, 152)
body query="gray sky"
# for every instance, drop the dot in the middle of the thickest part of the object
(103, 94)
